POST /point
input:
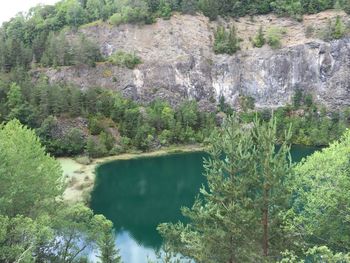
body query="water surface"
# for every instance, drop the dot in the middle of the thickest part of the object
(139, 194)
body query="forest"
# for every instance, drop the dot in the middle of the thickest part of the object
(257, 205)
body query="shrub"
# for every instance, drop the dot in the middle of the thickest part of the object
(116, 19)
(95, 148)
(164, 9)
(338, 29)
(226, 41)
(123, 59)
(346, 6)
(333, 30)
(95, 126)
(74, 142)
(297, 98)
(274, 36)
(259, 39)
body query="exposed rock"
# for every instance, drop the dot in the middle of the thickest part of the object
(64, 125)
(178, 64)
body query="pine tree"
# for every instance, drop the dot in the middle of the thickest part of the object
(226, 41)
(108, 251)
(259, 40)
(338, 30)
(236, 218)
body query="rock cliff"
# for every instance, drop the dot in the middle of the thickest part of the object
(178, 63)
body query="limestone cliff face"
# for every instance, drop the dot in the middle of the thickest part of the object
(178, 63)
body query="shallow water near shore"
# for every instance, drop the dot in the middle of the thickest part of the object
(138, 194)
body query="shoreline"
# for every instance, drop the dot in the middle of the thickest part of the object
(80, 178)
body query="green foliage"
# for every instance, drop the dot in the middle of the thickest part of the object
(108, 252)
(297, 98)
(164, 9)
(123, 59)
(73, 143)
(320, 210)
(116, 19)
(26, 37)
(339, 29)
(333, 30)
(95, 126)
(259, 39)
(20, 236)
(226, 41)
(291, 8)
(95, 148)
(209, 8)
(60, 52)
(24, 192)
(346, 6)
(274, 36)
(224, 107)
(238, 213)
(316, 254)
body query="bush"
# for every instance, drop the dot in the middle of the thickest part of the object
(338, 30)
(95, 126)
(274, 36)
(95, 148)
(164, 9)
(259, 39)
(123, 59)
(226, 41)
(291, 8)
(116, 19)
(73, 143)
(346, 6)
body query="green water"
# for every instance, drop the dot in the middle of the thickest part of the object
(139, 194)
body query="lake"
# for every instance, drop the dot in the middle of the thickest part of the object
(138, 194)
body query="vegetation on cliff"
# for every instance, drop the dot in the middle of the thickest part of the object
(100, 121)
(40, 36)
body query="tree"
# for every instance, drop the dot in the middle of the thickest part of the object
(164, 9)
(78, 228)
(187, 113)
(339, 29)
(274, 36)
(320, 212)
(35, 226)
(237, 215)
(106, 243)
(20, 236)
(189, 6)
(346, 6)
(259, 39)
(73, 142)
(95, 9)
(30, 179)
(226, 41)
(75, 15)
(210, 8)
(15, 101)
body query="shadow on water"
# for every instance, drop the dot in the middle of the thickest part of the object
(139, 194)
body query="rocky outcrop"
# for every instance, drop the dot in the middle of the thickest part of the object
(178, 63)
